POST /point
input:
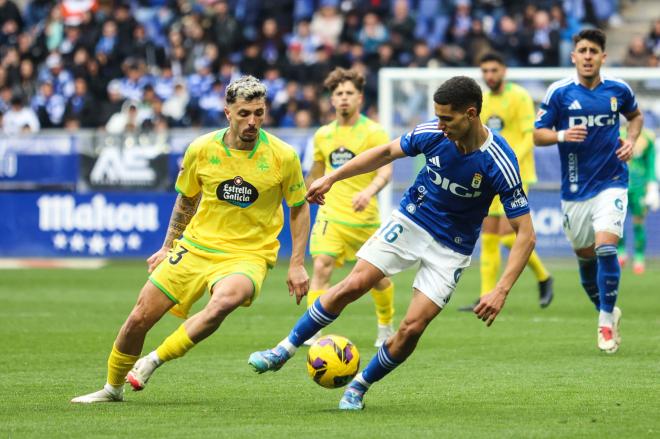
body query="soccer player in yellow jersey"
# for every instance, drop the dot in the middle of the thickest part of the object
(509, 110)
(350, 215)
(222, 237)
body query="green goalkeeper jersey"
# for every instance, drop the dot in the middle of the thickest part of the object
(641, 167)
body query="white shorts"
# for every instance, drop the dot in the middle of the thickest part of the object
(606, 212)
(400, 243)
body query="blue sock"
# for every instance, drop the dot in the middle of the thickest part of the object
(609, 273)
(380, 365)
(314, 319)
(588, 276)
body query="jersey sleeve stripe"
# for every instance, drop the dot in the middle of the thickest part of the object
(512, 169)
(507, 171)
(554, 87)
(506, 176)
(428, 131)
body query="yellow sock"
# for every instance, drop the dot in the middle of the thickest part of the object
(384, 301)
(534, 262)
(119, 365)
(176, 345)
(489, 261)
(312, 295)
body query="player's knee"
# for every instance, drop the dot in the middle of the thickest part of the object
(138, 320)
(323, 267)
(222, 305)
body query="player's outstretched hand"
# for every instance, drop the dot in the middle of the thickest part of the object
(156, 258)
(298, 282)
(625, 151)
(489, 306)
(318, 189)
(576, 134)
(361, 201)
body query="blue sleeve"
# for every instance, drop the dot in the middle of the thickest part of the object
(629, 103)
(409, 144)
(505, 177)
(547, 116)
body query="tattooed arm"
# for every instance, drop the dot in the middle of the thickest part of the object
(183, 211)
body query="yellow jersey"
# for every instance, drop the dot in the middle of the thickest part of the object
(334, 145)
(242, 191)
(511, 114)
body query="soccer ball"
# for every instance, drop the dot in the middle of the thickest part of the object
(333, 361)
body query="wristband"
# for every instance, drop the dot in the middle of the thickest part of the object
(561, 136)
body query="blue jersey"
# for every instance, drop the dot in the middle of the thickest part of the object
(452, 193)
(591, 166)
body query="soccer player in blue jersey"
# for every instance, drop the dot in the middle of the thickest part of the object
(581, 115)
(437, 225)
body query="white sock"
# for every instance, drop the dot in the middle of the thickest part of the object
(360, 379)
(153, 356)
(290, 348)
(116, 391)
(606, 319)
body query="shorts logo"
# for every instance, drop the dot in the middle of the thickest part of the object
(614, 104)
(340, 156)
(237, 192)
(476, 181)
(495, 123)
(411, 208)
(618, 203)
(457, 274)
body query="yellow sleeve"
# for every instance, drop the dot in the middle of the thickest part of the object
(186, 182)
(526, 117)
(318, 154)
(293, 184)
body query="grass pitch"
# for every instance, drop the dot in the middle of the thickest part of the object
(535, 373)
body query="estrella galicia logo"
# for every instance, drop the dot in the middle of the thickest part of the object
(618, 203)
(237, 192)
(340, 156)
(495, 123)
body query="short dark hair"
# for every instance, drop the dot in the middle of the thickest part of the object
(492, 56)
(460, 92)
(594, 35)
(340, 75)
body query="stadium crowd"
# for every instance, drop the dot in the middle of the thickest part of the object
(154, 64)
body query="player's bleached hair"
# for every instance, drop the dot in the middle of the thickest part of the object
(247, 88)
(460, 92)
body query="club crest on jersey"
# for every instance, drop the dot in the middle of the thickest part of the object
(340, 156)
(614, 104)
(237, 192)
(476, 181)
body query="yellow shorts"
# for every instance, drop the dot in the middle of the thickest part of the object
(496, 208)
(338, 240)
(188, 271)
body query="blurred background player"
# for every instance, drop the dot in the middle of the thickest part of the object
(642, 195)
(508, 110)
(581, 115)
(436, 226)
(227, 215)
(350, 215)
